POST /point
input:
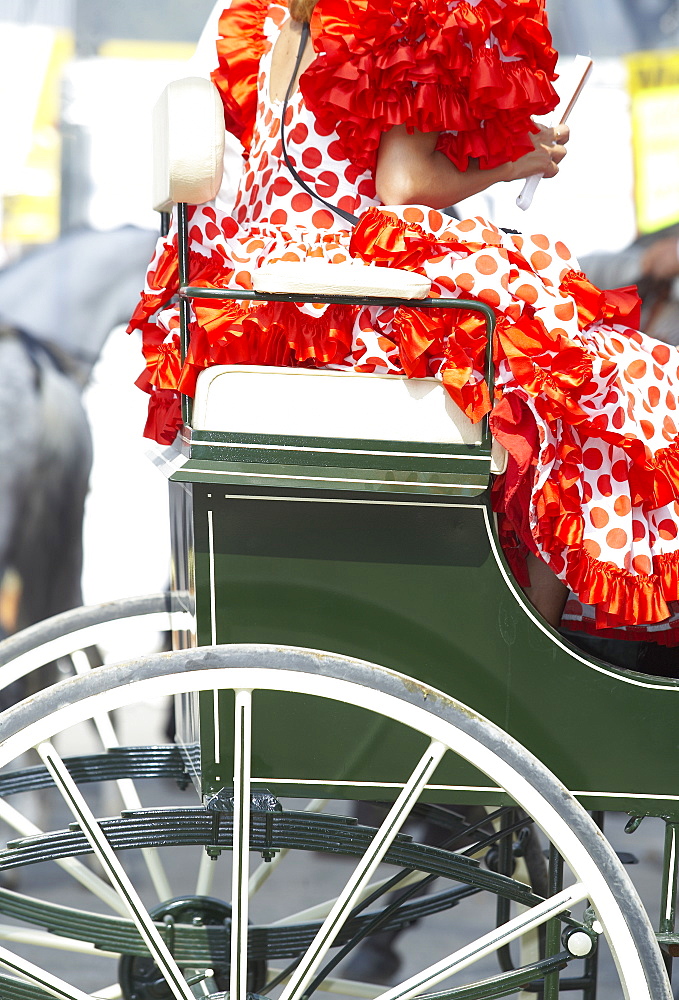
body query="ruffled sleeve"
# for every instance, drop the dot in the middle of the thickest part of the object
(475, 73)
(241, 44)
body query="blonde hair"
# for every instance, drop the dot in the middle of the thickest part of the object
(301, 10)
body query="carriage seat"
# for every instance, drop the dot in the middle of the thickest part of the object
(188, 130)
(304, 402)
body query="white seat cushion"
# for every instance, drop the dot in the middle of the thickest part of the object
(323, 403)
(350, 278)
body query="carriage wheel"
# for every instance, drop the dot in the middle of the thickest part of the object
(181, 954)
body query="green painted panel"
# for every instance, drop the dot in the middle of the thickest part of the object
(317, 445)
(460, 478)
(418, 588)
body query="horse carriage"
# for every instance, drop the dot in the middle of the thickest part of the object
(345, 627)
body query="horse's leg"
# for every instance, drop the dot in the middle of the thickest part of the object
(20, 422)
(49, 555)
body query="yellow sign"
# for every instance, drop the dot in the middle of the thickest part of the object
(132, 48)
(32, 190)
(654, 90)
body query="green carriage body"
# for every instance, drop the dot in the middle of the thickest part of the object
(387, 551)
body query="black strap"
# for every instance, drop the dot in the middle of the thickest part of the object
(352, 219)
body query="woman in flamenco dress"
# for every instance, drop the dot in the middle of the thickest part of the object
(416, 105)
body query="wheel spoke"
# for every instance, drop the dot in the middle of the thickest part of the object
(489, 943)
(76, 869)
(241, 843)
(45, 939)
(379, 845)
(115, 872)
(34, 974)
(321, 910)
(126, 787)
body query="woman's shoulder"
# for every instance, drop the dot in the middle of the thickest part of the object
(246, 28)
(475, 71)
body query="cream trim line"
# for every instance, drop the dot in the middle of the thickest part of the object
(383, 503)
(458, 788)
(635, 682)
(376, 784)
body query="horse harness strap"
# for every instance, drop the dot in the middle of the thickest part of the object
(39, 352)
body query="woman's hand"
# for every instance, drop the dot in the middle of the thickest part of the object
(549, 151)
(410, 170)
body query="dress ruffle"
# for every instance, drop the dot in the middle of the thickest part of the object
(240, 48)
(620, 596)
(476, 73)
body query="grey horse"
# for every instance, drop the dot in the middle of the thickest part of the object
(57, 307)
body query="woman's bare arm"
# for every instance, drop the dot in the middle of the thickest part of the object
(411, 171)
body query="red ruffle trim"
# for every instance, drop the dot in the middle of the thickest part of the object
(434, 66)
(229, 332)
(459, 336)
(164, 420)
(164, 282)
(236, 333)
(239, 49)
(620, 598)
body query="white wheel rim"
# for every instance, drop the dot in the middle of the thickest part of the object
(423, 720)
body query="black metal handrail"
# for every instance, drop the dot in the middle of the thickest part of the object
(188, 292)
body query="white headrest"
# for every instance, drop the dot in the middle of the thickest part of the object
(188, 142)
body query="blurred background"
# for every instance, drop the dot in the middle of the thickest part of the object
(78, 79)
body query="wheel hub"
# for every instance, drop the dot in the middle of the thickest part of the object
(139, 976)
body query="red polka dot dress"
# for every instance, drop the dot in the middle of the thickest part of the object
(585, 404)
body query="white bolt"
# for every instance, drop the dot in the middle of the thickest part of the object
(579, 944)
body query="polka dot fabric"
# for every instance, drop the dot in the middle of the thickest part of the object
(585, 404)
